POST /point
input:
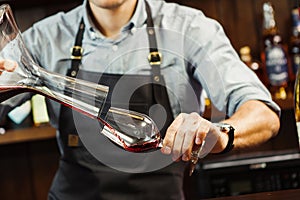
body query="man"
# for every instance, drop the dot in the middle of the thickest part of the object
(188, 53)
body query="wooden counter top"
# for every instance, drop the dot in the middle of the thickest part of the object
(27, 134)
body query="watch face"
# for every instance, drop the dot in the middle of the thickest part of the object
(224, 127)
(229, 130)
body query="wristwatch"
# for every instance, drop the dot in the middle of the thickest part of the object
(229, 130)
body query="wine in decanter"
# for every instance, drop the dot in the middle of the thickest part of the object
(131, 130)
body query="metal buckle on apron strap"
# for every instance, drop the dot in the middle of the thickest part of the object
(154, 58)
(76, 52)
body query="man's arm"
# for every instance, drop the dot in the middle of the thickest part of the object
(254, 123)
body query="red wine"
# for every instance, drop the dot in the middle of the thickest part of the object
(143, 147)
(7, 92)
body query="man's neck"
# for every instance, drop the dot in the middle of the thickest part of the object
(109, 21)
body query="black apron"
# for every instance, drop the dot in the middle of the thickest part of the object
(80, 174)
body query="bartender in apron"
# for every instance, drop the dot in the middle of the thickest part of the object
(80, 174)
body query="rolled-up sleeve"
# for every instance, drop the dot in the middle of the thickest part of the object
(226, 79)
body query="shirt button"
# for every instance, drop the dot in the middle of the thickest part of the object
(93, 35)
(114, 47)
(133, 30)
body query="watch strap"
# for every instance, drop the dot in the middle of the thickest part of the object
(229, 130)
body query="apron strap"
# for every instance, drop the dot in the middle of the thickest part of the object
(159, 86)
(154, 56)
(77, 51)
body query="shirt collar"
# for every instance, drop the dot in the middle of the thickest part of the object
(138, 19)
(140, 16)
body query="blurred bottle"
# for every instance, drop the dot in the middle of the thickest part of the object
(297, 101)
(274, 55)
(255, 66)
(295, 42)
(39, 110)
(295, 58)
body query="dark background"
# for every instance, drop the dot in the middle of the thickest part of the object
(27, 167)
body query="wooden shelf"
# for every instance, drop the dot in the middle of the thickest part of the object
(27, 134)
(285, 103)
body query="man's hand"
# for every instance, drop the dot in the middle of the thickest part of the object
(186, 132)
(7, 65)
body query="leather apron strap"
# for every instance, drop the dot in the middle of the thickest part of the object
(159, 86)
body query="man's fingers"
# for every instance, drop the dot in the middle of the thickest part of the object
(202, 131)
(8, 65)
(195, 134)
(171, 134)
(186, 132)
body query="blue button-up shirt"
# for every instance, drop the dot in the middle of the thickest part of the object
(196, 55)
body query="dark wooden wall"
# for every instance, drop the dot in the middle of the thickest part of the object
(242, 19)
(27, 168)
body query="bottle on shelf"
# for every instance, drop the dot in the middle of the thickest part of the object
(295, 42)
(40, 115)
(297, 102)
(295, 59)
(274, 55)
(254, 65)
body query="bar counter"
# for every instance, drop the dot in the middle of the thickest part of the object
(293, 194)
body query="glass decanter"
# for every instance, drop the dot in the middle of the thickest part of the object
(130, 130)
